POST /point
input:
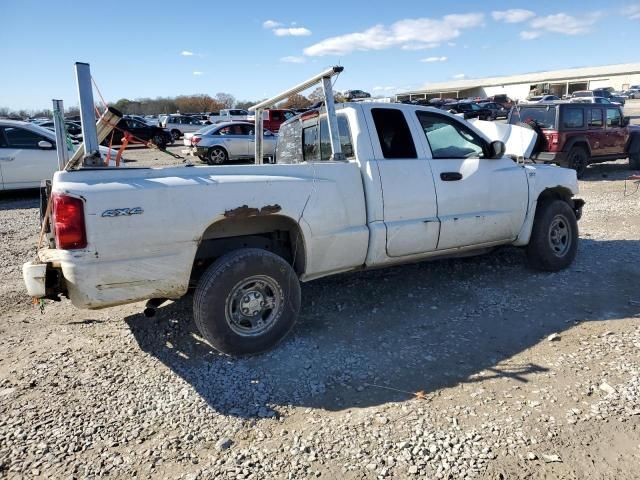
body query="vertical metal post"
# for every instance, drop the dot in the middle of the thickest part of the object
(87, 116)
(61, 134)
(259, 133)
(332, 120)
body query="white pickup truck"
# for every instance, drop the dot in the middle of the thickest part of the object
(417, 184)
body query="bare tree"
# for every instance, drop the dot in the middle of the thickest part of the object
(296, 101)
(226, 99)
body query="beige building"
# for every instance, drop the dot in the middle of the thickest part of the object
(519, 87)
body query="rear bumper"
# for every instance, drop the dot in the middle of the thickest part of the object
(95, 283)
(552, 157)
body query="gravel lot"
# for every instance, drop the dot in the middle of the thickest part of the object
(470, 368)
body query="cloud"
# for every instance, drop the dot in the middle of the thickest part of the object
(271, 24)
(563, 23)
(292, 59)
(459, 76)
(197, 73)
(187, 53)
(529, 34)
(292, 32)
(420, 46)
(411, 34)
(384, 89)
(632, 12)
(513, 15)
(451, 44)
(434, 59)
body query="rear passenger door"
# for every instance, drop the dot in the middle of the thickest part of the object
(410, 209)
(480, 200)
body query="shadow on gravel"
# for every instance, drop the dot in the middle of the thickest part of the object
(607, 171)
(20, 199)
(374, 337)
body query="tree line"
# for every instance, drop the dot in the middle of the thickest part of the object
(182, 103)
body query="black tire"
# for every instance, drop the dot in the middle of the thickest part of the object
(222, 303)
(554, 238)
(217, 156)
(159, 141)
(634, 161)
(175, 135)
(578, 159)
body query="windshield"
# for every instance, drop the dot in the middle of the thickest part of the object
(545, 117)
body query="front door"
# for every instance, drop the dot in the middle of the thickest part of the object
(24, 163)
(410, 208)
(480, 200)
(616, 133)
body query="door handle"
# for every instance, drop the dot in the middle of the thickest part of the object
(7, 159)
(450, 176)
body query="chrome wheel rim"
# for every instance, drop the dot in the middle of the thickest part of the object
(216, 156)
(560, 236)
(254, 305)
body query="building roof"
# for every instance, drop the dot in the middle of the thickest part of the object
(533, 77)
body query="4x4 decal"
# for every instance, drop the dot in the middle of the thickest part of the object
(122, 212)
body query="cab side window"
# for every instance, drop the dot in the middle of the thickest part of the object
(393, 133)
(22, 138)
(448, 138)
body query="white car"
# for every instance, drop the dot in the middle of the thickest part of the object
(28, 154)
(541, 98)
(178, 125)
(598, 100)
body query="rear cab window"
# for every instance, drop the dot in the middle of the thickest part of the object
(308, 140)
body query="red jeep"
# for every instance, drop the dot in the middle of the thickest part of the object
(275, 117)
(576, 134)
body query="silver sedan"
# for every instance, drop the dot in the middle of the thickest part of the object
(223, 142)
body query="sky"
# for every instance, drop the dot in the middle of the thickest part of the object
(255, 49)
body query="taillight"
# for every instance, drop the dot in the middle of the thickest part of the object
(68, 222)
(552, 138)
(195, 140)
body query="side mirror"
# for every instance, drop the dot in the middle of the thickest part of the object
(626, 121)
(43, 144)
(496, 149)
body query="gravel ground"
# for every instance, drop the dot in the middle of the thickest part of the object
(470, 368)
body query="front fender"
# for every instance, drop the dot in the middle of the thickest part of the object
(547, 178)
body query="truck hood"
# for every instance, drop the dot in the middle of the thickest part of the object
(519, 141)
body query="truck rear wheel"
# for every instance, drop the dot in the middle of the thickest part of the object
(554, 237)
(246, 301)
(578, 159)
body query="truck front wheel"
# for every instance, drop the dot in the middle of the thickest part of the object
(554, 237)
(246, 301)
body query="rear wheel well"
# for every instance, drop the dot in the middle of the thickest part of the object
(582, 143)
(274, 233)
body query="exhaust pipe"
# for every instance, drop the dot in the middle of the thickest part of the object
(152, 305)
